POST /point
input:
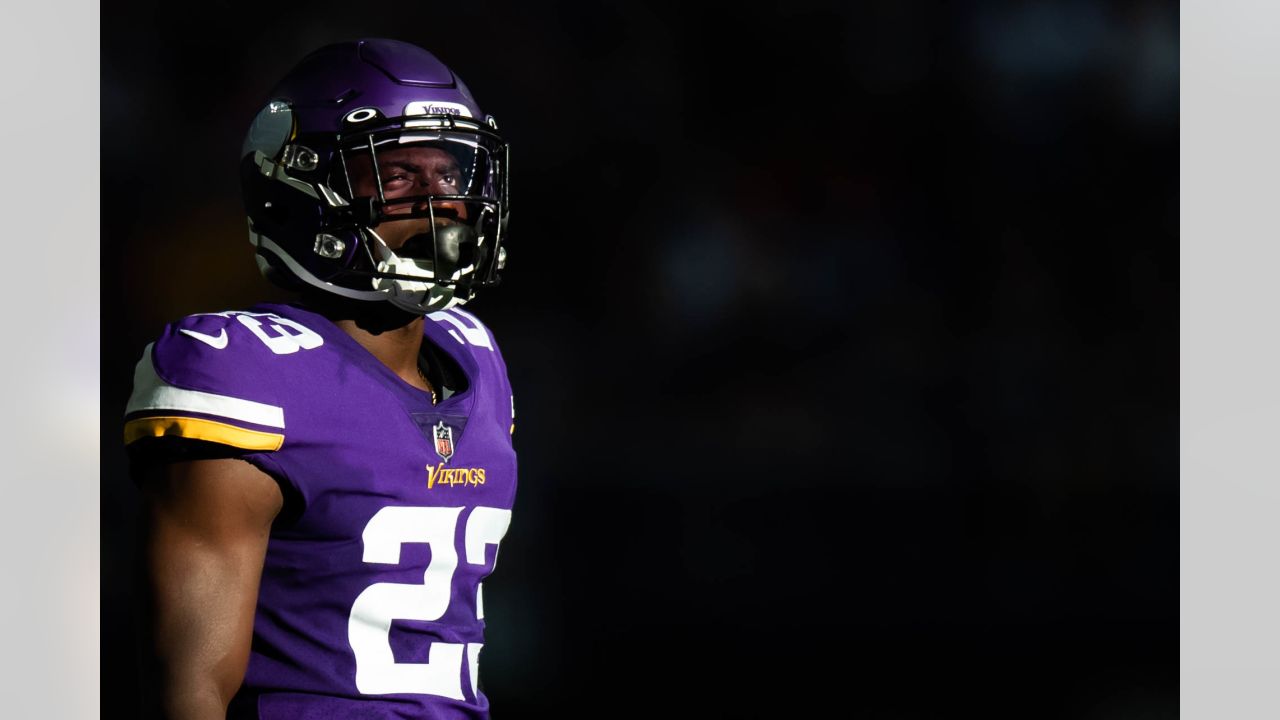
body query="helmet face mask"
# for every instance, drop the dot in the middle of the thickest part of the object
(423, 183)
(399, 194)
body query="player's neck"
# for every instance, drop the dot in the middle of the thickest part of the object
(397, 348)
(391, 335)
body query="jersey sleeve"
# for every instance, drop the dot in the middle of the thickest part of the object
(193, 384)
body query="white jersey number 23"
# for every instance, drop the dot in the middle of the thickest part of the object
(369, 625)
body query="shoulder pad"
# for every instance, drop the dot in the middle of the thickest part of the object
(210, 377)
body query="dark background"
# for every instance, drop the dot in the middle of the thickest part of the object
(843, 338)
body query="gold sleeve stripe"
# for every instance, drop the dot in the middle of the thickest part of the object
(200, 429)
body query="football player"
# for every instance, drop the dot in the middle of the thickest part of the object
(326, 482)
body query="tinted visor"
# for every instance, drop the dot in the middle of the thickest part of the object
(420, 167)
(437, 194)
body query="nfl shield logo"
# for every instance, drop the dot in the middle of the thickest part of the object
(444, 441)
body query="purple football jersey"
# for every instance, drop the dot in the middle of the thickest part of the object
(370, 604)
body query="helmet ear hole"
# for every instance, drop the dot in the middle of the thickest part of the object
(275, 213)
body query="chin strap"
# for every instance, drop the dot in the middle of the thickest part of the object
(413, 295)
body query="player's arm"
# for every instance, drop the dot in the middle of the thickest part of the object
(206, 524)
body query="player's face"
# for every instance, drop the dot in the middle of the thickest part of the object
(410, 171)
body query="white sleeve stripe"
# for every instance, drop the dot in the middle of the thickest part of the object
(151, 392)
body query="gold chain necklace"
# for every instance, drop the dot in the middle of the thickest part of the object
(430, 387)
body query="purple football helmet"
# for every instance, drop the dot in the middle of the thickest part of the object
(373, 174)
